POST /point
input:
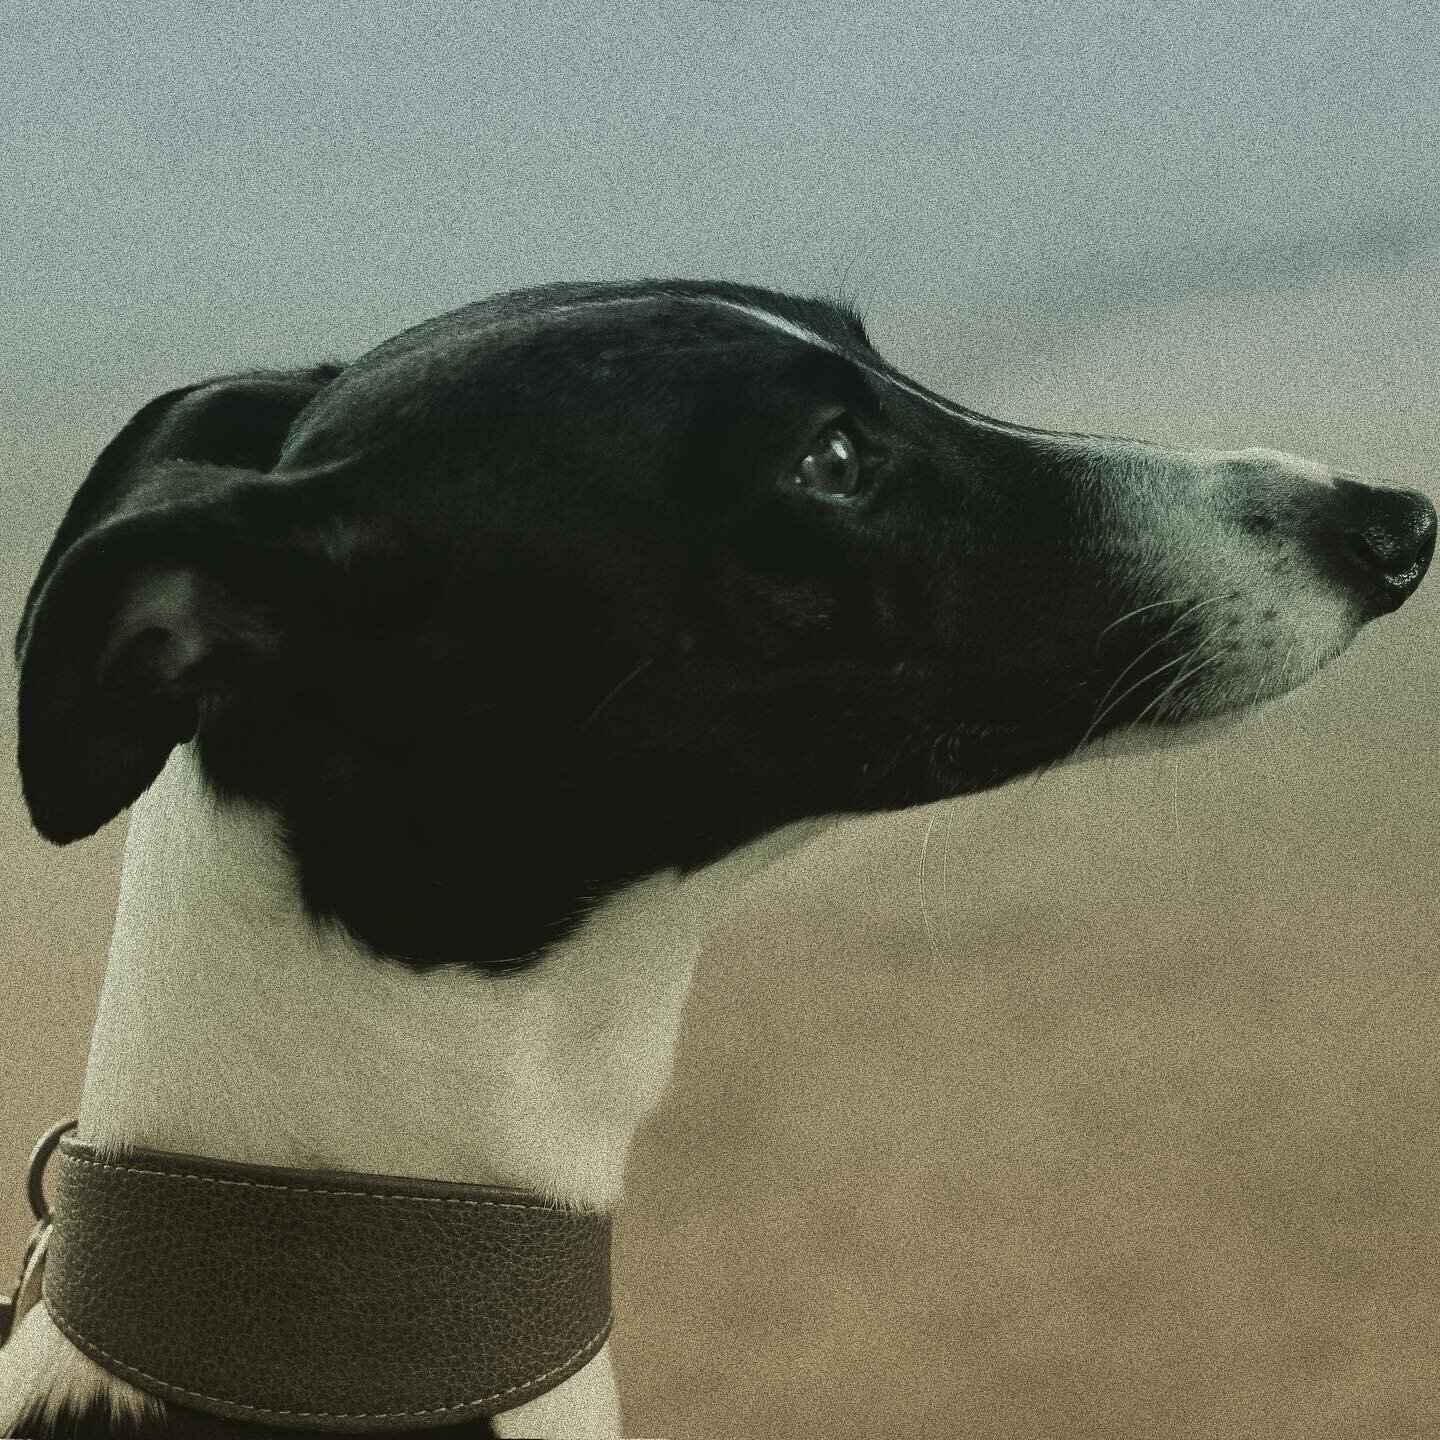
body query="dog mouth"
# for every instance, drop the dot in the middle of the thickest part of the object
(1198, 692)
(1225, 656)
(1205, 685)
(1132, 729)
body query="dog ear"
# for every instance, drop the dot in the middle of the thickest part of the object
(168, 583)
(241, 420)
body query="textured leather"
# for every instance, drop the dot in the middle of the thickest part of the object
(321, 1300)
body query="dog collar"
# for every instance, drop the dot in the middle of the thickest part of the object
(316, 1300)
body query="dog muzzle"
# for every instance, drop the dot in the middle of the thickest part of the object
(314, 1300)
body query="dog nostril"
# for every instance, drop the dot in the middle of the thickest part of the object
(1389, 552)
(1374, 550)
(1391, 534)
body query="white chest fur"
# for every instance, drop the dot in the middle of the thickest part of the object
(229, 1026)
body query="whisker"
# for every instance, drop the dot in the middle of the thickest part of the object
(1174, 683)
(1174, 625)
(1143, 680)
(1154, 604)
(1186, 675)
(1261, 684)
(945, 858)
(643, 664)
(924, 906)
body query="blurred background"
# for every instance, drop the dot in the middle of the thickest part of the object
(1116, 1120)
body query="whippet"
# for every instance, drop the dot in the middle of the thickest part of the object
(456, 690)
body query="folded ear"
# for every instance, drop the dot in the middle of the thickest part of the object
(240, 420)
(168, 583)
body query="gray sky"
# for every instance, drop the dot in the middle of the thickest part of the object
(195, 188)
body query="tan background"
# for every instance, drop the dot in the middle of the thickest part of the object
(1122, 1123)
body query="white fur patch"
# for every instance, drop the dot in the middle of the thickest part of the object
(40, 1368)
(229, 1027)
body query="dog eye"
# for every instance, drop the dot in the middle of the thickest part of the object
(832, 467)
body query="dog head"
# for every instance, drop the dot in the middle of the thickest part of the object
(585, 582)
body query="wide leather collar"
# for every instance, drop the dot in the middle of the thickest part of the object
(321, 1300)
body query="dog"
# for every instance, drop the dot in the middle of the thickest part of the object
(456, 689)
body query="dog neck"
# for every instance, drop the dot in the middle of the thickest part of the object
(231, 1026)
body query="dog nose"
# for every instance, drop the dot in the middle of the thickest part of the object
(1388, 533)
